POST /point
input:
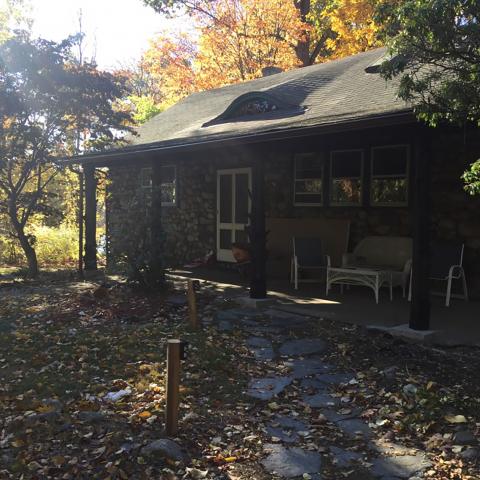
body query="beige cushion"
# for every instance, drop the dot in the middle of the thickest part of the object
(393, 252)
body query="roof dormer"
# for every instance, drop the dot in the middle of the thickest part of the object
(256, 106)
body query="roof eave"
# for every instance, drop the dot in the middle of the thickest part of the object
(106, 158)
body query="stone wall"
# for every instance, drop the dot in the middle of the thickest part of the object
(123, 189)
(190, 226)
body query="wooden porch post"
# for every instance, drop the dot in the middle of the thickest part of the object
(156, 231)
(90, 218)
(258, 238)
(80, 223)
(420, 306)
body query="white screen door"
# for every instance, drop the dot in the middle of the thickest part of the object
(233, 208)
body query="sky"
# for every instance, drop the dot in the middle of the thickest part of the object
(117, 30)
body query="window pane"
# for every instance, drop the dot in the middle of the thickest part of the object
(241, 236)
(226, 239)
(389, 190)
(241, 198)
(147, 198)
(168, 192)
(168, 174)
(308, 165)
(225, 198)
(309, 199)
(146, 177)
(308, 186)
(390, 161)
(347, 164)
(345, 190)
(309, 178)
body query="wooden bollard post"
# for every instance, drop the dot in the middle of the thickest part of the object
(192, 305)
(173, 386)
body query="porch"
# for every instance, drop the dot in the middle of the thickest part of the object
(339, 186)
(455, 325)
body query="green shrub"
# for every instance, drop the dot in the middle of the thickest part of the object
(55, 247)
(10, 252)
(472, 179)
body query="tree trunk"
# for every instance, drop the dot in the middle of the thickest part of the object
(28, 250)
(31, 256)
(19, 228)
(90, 257)
(303, 47)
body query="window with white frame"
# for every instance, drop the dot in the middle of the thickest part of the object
(346, 167)
(168, 184)
(389, 175)
(308, 183)
(146, 177)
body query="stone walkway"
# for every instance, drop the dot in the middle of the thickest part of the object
(270, 342)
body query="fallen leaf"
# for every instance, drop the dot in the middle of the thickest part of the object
(45, 409)
(455, 419)
(18, 443)
(58, 460)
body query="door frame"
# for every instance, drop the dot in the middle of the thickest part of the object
(222, 254)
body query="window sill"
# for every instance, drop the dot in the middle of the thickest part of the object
(308, 204)
(388, 205)
(357, 205)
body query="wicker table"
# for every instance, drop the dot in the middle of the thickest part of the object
(367, 277)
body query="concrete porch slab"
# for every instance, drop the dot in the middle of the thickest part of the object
(257, 303)
(456, 325)
(406, 333)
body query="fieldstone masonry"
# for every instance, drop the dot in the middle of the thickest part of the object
(190, 226)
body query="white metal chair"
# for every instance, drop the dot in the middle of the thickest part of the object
(307, 255)
(446, 265)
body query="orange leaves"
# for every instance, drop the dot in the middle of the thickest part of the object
(144, 415)
(237, 38)
(247, 36)
(169, 61)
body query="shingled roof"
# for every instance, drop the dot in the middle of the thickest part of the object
(332, 92)
(331, 95)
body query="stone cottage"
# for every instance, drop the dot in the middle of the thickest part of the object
(329, 147)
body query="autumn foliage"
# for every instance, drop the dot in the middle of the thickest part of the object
(249, 35)
(234, 40)
(169, 62)
(353, 26)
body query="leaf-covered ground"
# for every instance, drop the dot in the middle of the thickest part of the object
(66, 345)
